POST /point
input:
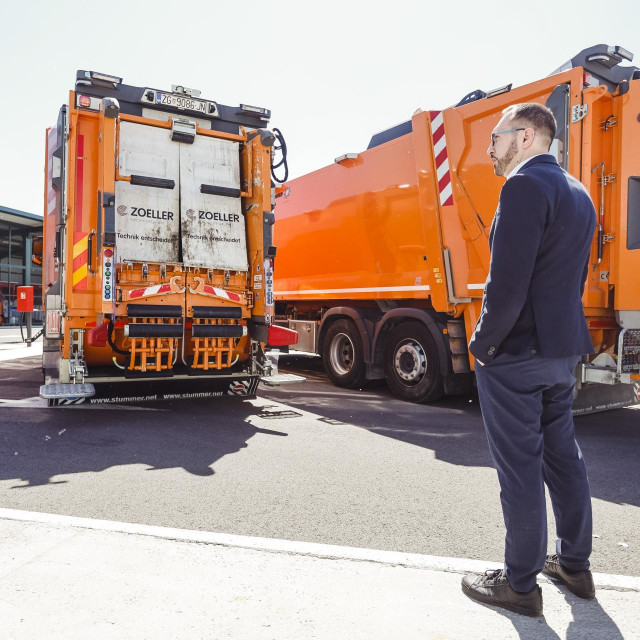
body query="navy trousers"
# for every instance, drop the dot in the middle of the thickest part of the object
(526, 407)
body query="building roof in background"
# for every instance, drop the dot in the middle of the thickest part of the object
(19, 218)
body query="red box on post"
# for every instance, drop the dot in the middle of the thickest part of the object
(25, 299)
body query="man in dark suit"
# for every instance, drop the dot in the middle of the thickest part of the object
(527, 343)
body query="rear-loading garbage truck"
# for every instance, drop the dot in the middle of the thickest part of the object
(158, 250)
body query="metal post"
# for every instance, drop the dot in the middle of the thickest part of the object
(28, 247)
(29, 314)
(9, 279)
(27, 280)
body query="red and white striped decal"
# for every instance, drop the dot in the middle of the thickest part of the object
(157, 290)
(164, 289)
(442, 159)
(214, 292)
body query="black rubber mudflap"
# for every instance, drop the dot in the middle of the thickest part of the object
(592, 397)
(167, 389)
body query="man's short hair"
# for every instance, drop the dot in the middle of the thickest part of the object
(536, 116)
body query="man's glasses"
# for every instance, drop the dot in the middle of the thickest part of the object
(497, 133)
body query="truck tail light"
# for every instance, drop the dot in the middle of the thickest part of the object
(281, 336)
(590, 80)
(84, 101)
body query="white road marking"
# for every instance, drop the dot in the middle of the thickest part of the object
(273, 545)
(13, 352)
(34, 402)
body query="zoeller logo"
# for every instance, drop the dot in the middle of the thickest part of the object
(191, 214)
(139, 212)
(219, 216)
(122, 210)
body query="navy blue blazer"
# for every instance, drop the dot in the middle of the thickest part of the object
(540, 241)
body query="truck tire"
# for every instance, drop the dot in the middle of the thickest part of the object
(342, 355)
(412, 365)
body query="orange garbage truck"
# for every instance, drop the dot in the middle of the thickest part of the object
(383, 255)
(158, 246)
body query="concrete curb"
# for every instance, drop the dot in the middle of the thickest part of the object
(273, 545)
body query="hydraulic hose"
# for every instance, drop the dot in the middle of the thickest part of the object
(283, 161)
(33, 338)
(112, 343)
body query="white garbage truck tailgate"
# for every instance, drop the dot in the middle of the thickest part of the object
(148, 217)
(172, 210)
(212, 226)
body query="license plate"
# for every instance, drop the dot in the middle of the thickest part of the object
(181, 102)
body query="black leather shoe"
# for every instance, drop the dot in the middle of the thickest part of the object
(580, 583)
(493, 588)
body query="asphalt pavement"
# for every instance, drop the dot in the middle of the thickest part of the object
(68, 577)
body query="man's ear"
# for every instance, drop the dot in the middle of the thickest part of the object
(529, 137)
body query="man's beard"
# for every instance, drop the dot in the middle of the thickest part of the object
(502, 163)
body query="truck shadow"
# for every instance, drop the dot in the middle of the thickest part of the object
(452, 428)
(40, 444)
(57, 442)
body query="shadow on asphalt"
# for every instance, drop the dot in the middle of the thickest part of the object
(37, 444)
(181, 434)
(453, 429)
(35, 452)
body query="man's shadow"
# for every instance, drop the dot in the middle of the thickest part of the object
(589, 620)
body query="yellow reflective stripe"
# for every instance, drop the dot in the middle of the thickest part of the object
(80, 274)
(79, 247)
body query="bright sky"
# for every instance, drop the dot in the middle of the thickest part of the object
(332, 72)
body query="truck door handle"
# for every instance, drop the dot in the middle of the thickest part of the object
(212, 190)
(148, 181)
(92, 235)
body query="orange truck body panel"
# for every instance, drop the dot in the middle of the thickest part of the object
(407, 222)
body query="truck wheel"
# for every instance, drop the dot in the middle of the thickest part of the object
(342, 355)
(412, 365)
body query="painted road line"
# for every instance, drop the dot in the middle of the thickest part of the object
(16, 352)
(35, 402)
(273, 545)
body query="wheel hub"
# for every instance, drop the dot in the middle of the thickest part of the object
(341, 353)
(410, 362)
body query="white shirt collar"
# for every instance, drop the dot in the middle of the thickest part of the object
(519, 166)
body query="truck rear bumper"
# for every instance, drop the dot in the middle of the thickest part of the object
(119, 390)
